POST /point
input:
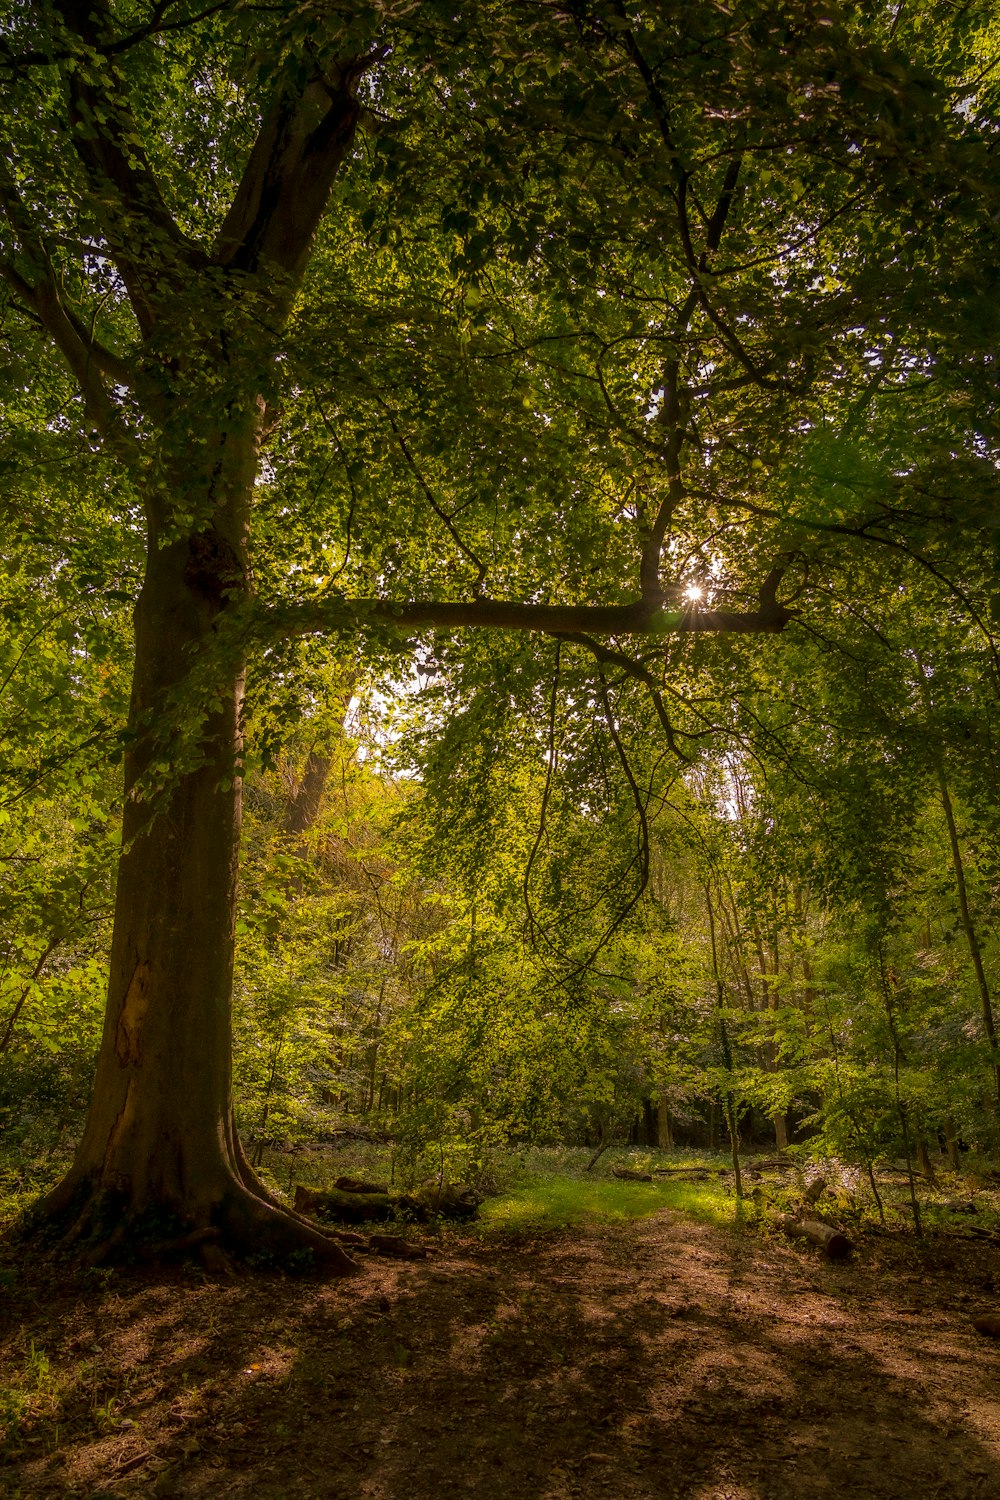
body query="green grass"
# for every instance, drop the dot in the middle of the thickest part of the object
(554, 1191)
(542, 1188)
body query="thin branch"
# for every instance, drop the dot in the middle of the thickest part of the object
(442, 515)
(637, 798)
(12, 1019)
(533, 925)
(38, 287)
(641, 674)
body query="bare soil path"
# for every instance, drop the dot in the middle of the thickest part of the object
(663, 1358)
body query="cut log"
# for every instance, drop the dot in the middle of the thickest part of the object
(628, 1175)
(834, 1241)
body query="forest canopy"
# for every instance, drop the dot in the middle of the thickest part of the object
(588, 410)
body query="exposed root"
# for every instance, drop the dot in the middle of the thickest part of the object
(196, 1240)
(260, 1189)
(252, 1226)
(106, 1249)
(240, 1223)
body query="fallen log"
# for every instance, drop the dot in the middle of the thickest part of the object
(695, 1174)
(450, 1200)
(627, 1174)
(356, 1185)
(834, 1241)
(354, 1208)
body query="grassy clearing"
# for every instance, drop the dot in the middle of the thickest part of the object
(539, 1189)
(552, 1201)
(553, 1190)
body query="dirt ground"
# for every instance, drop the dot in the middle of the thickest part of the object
(663, 1358)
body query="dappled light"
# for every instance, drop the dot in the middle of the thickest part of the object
(499, 746)
(668, 1358)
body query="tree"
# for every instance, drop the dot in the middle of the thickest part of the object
(318, 438)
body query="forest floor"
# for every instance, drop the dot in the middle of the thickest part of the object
(661, 1357)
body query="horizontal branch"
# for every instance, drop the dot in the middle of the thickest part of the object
(639, 617)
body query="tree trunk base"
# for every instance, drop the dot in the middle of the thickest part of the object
(243, 1223)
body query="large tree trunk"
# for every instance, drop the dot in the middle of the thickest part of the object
(159, 1158)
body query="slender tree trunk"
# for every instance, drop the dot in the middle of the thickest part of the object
(664, 1135)
(969, 928)
(769, 986)
(924, 1162)
(729, 1102)
(303, 807)
(958, 869)
(897, 1057)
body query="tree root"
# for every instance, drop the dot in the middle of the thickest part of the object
(104, 1250)
(240, 1222)
(179, 1245)
(256, 1227)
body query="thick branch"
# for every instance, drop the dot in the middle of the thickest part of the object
(155, 26)
(306, 136)
(147, 245)
(38, 287)
(640, 617)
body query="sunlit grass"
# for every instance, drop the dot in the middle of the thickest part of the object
(555, 1192)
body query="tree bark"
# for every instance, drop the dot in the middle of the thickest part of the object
(160, 1141)
(834, 1241)
(969, 928)
(664, 1135)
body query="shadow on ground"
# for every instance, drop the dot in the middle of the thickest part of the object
(664, 1358)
